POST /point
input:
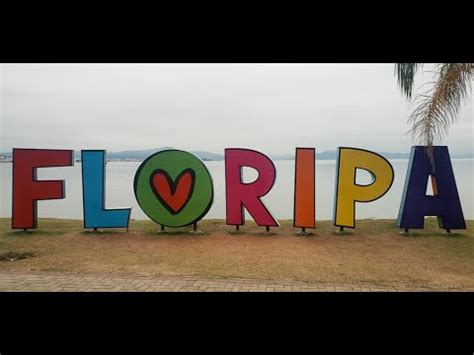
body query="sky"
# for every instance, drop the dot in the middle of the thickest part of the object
(272, 108)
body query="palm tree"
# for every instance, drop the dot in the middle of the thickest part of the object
(438, 107)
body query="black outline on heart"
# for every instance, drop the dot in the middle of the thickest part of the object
(174, 186)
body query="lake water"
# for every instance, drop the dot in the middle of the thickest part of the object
(119, 190)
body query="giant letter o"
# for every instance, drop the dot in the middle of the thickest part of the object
(173, 188)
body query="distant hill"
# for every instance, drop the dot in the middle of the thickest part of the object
(133, 154)
(332, 155)
(208, 156)
(143, 154)
(140, 155)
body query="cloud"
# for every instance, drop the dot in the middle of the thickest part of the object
(270, 107)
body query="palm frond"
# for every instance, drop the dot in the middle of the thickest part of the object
(405, 73)
(439, 107)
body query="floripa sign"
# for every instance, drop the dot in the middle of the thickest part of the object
(175, 189)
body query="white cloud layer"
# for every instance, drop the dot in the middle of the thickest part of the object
(269, 107)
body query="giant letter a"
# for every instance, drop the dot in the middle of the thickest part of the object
(444, 203)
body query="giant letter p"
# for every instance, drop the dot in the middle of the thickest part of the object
(348, 192)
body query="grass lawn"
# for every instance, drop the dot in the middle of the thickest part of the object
(373, 253)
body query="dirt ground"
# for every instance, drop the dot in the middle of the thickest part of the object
(374, 252)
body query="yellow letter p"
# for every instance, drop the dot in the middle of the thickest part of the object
(348, 192)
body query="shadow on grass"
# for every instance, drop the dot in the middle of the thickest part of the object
(264, 234)
(433, 235)
(176, 233)
(16, 255)
(99, 232)
(252, 233)
(35, 232)
(345, 233)
(304, 234)
(21, 233)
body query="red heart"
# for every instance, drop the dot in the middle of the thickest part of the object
(174, 195)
